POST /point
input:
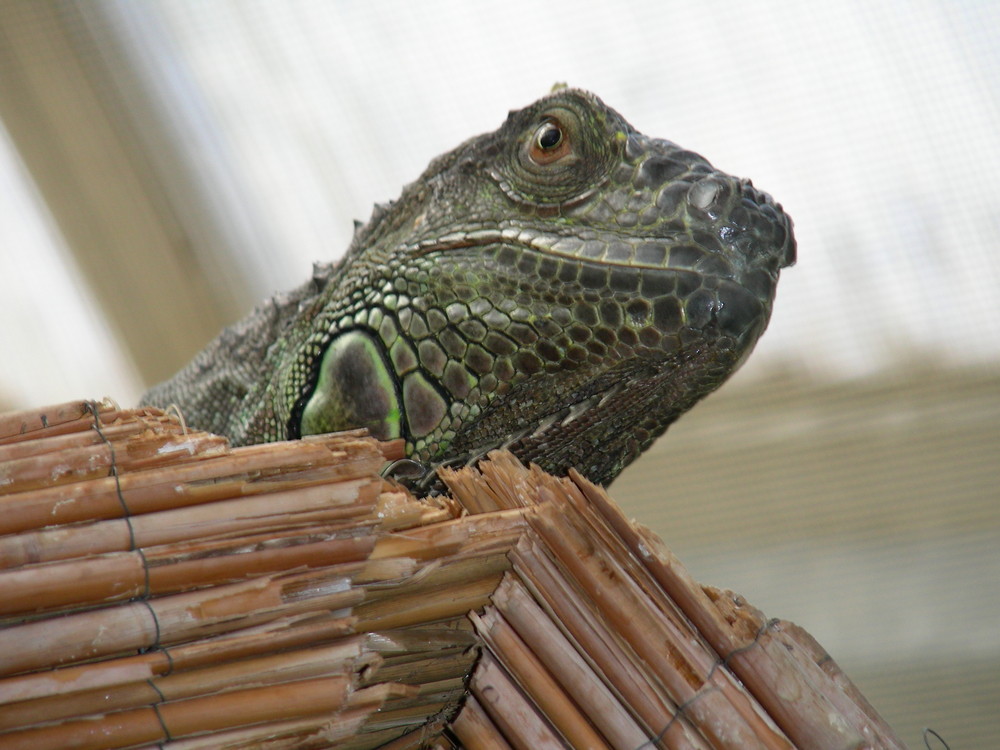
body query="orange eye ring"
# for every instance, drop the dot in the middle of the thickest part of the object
(549, 142)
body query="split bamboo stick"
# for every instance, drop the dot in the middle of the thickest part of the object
(711, 698)
(323, 661)
(279, 635)
(250, 471)
(536, 681)
(522, 724)
(417, 739)
(182, 718)
(565, 662)
(475, 730)
(57, 419)
(168, 620)
(247, 514)
(124, 575)
(878, 730)
(95, 461)
(746, 644)
(111, 433)
(311, 733)
(627, 675)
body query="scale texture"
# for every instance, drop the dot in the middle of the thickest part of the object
(565, 287)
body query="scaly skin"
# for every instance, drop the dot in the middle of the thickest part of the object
(565, 287)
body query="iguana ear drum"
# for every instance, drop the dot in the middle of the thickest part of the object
(356, 388)
(359, 385)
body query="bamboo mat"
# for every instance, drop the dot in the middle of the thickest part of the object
(161, 589)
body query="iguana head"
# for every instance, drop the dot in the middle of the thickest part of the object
(565, 287)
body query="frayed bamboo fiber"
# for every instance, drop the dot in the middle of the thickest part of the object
(175, 592)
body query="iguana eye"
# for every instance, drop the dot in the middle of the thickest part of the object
(550, 142)
(549, 136)
(556, 153)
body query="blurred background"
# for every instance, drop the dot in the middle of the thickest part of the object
(166, 164)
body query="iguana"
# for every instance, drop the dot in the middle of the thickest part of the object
(565, 287)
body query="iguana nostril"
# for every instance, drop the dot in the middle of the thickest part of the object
(703, 193)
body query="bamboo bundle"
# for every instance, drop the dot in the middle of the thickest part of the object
(161, 589)
(600, 638)
(158, 587)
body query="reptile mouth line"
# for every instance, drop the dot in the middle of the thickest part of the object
(662, 253)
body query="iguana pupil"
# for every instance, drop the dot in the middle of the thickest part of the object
(550, 136)
(567, 308)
